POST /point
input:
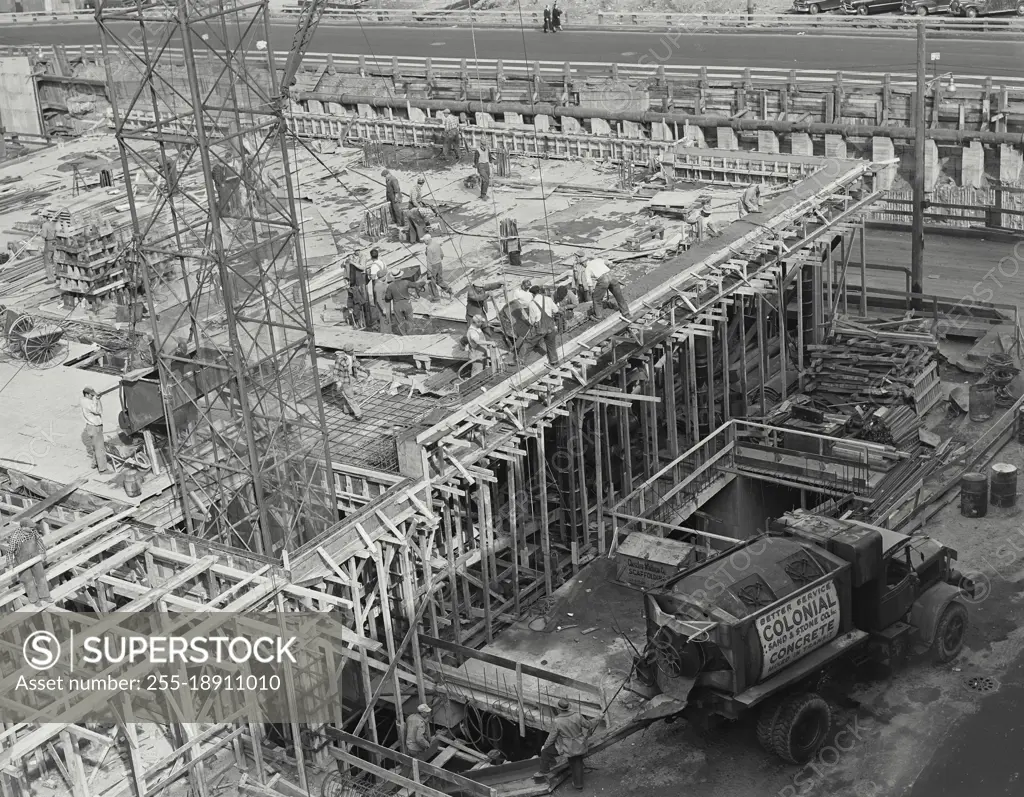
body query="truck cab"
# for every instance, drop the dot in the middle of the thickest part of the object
(984, 8)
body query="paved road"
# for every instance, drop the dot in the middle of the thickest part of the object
(866, 52)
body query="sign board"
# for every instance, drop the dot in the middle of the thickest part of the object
(644, 560)
(803, 623)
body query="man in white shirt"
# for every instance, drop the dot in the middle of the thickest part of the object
(434, 256)
(92, 413)
(478, 344)
(598, 278)
(543, 334)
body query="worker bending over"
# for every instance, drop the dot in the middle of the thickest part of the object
(568, 737)
(346, 370)
(598, 278)
(27, 543)
(480, 348)
(751, 200)
(541, 312)
(393, 191)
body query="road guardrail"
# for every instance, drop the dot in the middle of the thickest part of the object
(679, 24)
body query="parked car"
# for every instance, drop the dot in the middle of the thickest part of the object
(816, 6)
(865, 7)
(983, 8)
(923, 8)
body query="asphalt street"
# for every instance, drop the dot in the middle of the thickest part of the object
(867, 52)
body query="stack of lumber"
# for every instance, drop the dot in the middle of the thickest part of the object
(881, 362)
(894, 426)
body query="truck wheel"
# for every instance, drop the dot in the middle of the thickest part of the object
(766, 725)
(949, 633)
(801, 727)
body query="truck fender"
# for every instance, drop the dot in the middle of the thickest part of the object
(928, 608)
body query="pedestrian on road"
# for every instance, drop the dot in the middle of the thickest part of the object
(401, 306)
(92, 413)
(435, 267)
(27, 543)
(598, 277)
(556, 17)
(393, 192)
(541, 313)
(547, 19)
(347, 369)
(568, 737)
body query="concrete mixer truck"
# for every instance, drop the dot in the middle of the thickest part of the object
(756, 627)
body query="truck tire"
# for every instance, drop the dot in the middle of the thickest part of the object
(801, 727)
(766, 720)
(949, 633)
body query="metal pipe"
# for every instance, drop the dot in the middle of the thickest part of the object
(917, 224)
(940, 135)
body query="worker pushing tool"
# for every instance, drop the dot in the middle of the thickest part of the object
(568, 736)
(393, 192)
(24, 544)
(599, 279)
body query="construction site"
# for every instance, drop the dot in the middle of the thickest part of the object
(523, 401)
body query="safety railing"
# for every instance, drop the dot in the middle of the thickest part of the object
(557, 72)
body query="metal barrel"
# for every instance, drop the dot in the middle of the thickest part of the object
(1003, 485)
(132, 483)
(974, 495)
(982, 401)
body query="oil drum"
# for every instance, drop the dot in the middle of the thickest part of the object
(974, 495)
(982, 401)
(132, 483)
(1003, 485)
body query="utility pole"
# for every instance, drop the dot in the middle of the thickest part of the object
(917, 243)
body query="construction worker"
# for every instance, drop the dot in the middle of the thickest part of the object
(598, 278)
(434, 256)
(478, 295)
(567, 300)
(521, 298)
(393, 192)
(419, 223)
(92, 413)
(381, 304)
(347, 368)
(483, 167)
(450, 135)
(401, 307)
(568, 737)
(542, 314)
(416, 198)
(359, 293)
(419, 742)
(751, 200)
(48, 231)
(478, 344)
(27, 543)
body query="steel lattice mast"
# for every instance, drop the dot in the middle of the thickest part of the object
(201, 129)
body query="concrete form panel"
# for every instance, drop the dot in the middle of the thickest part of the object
(19, 108)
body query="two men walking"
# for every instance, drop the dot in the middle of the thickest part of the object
(552, 18)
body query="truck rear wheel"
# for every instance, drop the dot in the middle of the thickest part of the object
(949, 633)
(801, 727)
(766, 720)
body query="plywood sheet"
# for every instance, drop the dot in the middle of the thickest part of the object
(19, 108)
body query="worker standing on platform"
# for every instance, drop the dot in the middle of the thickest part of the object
(393, 192)
(598, 278)
(568, 737)
(483, 167)
(541, 312)
(450, 136)
(346, 369)
(401, 306)
(92, 413)
(24, 544)
(435, 267)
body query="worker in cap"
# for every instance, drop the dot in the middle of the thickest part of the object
(393, 192)
(92, 414)
(597, 277)
(419, 743)
(416, 198)
(346, 370)
(568, 736)
(479, 294)
(24, 544)
(450, 135)
(399, 294)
